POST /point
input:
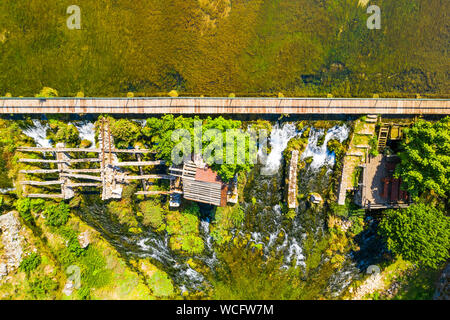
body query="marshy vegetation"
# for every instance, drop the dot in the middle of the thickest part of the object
(218, 47)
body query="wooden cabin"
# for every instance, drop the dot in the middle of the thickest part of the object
(201, 184)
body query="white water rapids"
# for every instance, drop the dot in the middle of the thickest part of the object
(320, 154)
(38, 132)
(280, 137)
(157, 247)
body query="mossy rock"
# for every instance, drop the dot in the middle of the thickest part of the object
(123, 212)
(85, 144)
(306, 133)
(308, 160)
(153, 215)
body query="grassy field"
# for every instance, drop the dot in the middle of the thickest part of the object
(218, 47)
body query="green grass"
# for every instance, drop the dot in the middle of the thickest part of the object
(420, 285)
(258, 47)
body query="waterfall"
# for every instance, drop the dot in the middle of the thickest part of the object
(86, 131)
(320, 154)
(279, 139)
(38, 132)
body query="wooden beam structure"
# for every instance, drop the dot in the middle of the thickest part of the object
(59, 161)
(111, 178)
(49, 196)
(182, 105)
(149, 176)
(41, 183)
(292, 180)
(153, 193)
(140, 163)
(38, 149)
(81, 176)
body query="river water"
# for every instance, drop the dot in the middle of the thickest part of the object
(264, 196)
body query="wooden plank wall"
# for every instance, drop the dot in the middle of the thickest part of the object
(224, 106)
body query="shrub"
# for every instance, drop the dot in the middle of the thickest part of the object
(23, 205)
(57, 215)
(30, 263)
(425, 158)
(37, 205)
(373, 143)
(173, 94)
(420, 234)
(40, 288)
(125, 132)
(62, 132)
(47, 92)
(192, 208)
(161, 284)
(237, 215)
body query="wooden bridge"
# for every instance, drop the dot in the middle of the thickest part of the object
(107, 175)
(224, 106)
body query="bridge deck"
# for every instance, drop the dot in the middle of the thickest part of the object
(224, 106)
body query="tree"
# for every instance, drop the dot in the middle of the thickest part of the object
(420, 234)
(60, 131)
(126, 133)
(159, 133)
(425, 158)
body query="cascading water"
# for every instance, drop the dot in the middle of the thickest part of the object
(38, 132)
(279, 139)
(320, 153)
(263, 194)
(86, 131)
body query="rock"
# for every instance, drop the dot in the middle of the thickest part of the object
(84, 239)
(3, 270)
(316, 198)
(12, 239)
(68, 288)
(443, 288)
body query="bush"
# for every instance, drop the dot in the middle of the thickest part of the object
(192, 208)
(420, 234)
(425, 158)
(173, 94)
(63, 132)
(126, 133)
(37, 205)
(57, 215)
(73, 246)
(30, 263)
(23, 206)
(47, 92)
(41, 288)
(373, 143)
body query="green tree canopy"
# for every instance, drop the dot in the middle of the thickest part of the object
(159, 134)
(420, 233)
(425, 159)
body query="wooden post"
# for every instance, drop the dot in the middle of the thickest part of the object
(66, 192)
